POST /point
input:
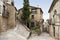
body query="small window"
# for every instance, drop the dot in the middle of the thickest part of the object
(5, 12)
(34, 11)
(32, 16)
(55, 12)
(3, 7)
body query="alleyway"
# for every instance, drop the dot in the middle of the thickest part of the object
(13, 35)
(20, 33)
(43, 36)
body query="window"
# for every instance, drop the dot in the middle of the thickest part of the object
(3, 8)
(32, 16)
(34, 11)
(55, 12)
(5, 12)
(54, 31)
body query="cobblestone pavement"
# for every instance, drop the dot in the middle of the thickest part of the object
(43, 36)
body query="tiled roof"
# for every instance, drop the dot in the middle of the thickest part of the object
(33, 7)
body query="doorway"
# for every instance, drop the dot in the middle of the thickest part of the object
(54, 31)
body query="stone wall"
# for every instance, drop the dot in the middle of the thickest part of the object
(8, 23)
(11, 19)
(0, 23)
(56, 18)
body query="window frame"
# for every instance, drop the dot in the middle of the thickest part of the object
(33, 11)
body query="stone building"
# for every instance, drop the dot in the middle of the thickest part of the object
(7, 17)
(54, 20)
(36, 16)
(1, 10)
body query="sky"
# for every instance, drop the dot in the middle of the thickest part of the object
(43, 4)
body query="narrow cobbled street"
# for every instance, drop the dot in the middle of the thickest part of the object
(43, 36)
(18, 34)
(13, 35)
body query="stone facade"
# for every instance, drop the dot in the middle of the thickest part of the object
(36, 16)
(7, 20)
(54, 13)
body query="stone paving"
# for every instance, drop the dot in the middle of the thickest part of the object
(43, 36)
(20, 33)
(11, 35)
